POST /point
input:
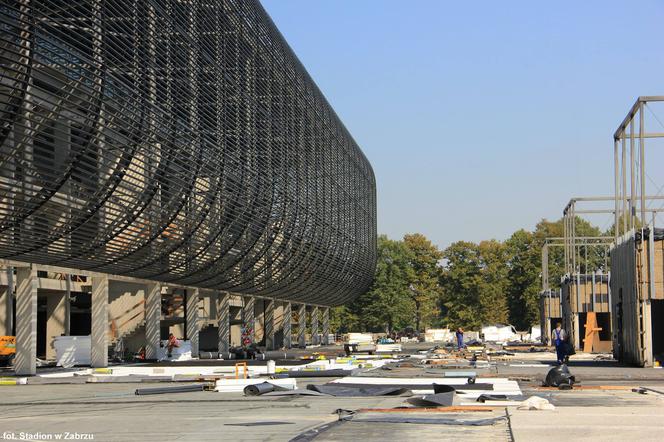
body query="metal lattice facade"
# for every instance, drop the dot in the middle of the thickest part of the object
(179, 141)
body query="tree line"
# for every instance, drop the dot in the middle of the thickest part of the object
(467, 284)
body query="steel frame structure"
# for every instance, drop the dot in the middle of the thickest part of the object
(177, 141)
(570, 212)
(626, 205)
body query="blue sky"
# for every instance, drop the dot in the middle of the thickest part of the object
(481, 118)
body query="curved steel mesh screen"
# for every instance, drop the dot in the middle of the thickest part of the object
(179, 141)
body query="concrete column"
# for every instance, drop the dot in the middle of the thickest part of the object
(223, 315)
(326, 326)
(193, 323)
(25, 362)
(269, 325)
(259, 320)
(5, 313)
(152, 319)
(7, 305)
(56, 313)
(67, 330)
(99, 326)
(302, 326)
(248, 316)
(288, 318)
(314, 326)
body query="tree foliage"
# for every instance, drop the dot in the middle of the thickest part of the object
(466, 285)
(421, 271)
(473, 282)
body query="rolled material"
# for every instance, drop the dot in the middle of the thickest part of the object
(259, 389)
(165, 390)
(276, 354)
(208, 355)
(491, 397)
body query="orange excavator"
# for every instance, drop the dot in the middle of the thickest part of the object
(7, 349)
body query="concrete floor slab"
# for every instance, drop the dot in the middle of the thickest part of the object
(112, 412)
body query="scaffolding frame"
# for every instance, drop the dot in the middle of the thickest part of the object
(626, 204)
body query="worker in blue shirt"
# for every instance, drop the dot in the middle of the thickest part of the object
(558, 338)
(459, 337)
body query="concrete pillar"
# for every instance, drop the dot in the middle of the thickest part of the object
(269, 325)
(7, 305)
(25, 362)
(248, 317)
(326, 325)
(99, 326)
(152, 320)
(223, 315)
(55, 320)
(259, 321)
(67, 327)
(288, 318)
(5, 313)
(314, 326)
(302, 326)
(193, 322)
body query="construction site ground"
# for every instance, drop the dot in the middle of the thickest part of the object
(603, 407)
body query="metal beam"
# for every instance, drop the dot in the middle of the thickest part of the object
(632, 112)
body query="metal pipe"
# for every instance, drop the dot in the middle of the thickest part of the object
(165, 390)
(573, 239)
(616, 172)
(565, 239)
(624, 184)
(545, 266)
(645, 135)
(578, 292)
(651, 260)
(632, 175)
(592, 294)
(642, 162)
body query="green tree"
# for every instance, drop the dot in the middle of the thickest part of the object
(523, 274)
(493, 282)
(459, 280)
(342, 319)
(387, 305)
(474, 282)
(422, 272)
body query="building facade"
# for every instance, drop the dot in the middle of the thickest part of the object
(178, 141)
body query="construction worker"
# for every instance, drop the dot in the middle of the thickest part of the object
(558, 338)
(172, 343)
(459, 338)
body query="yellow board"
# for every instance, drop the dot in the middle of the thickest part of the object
(591, 341)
